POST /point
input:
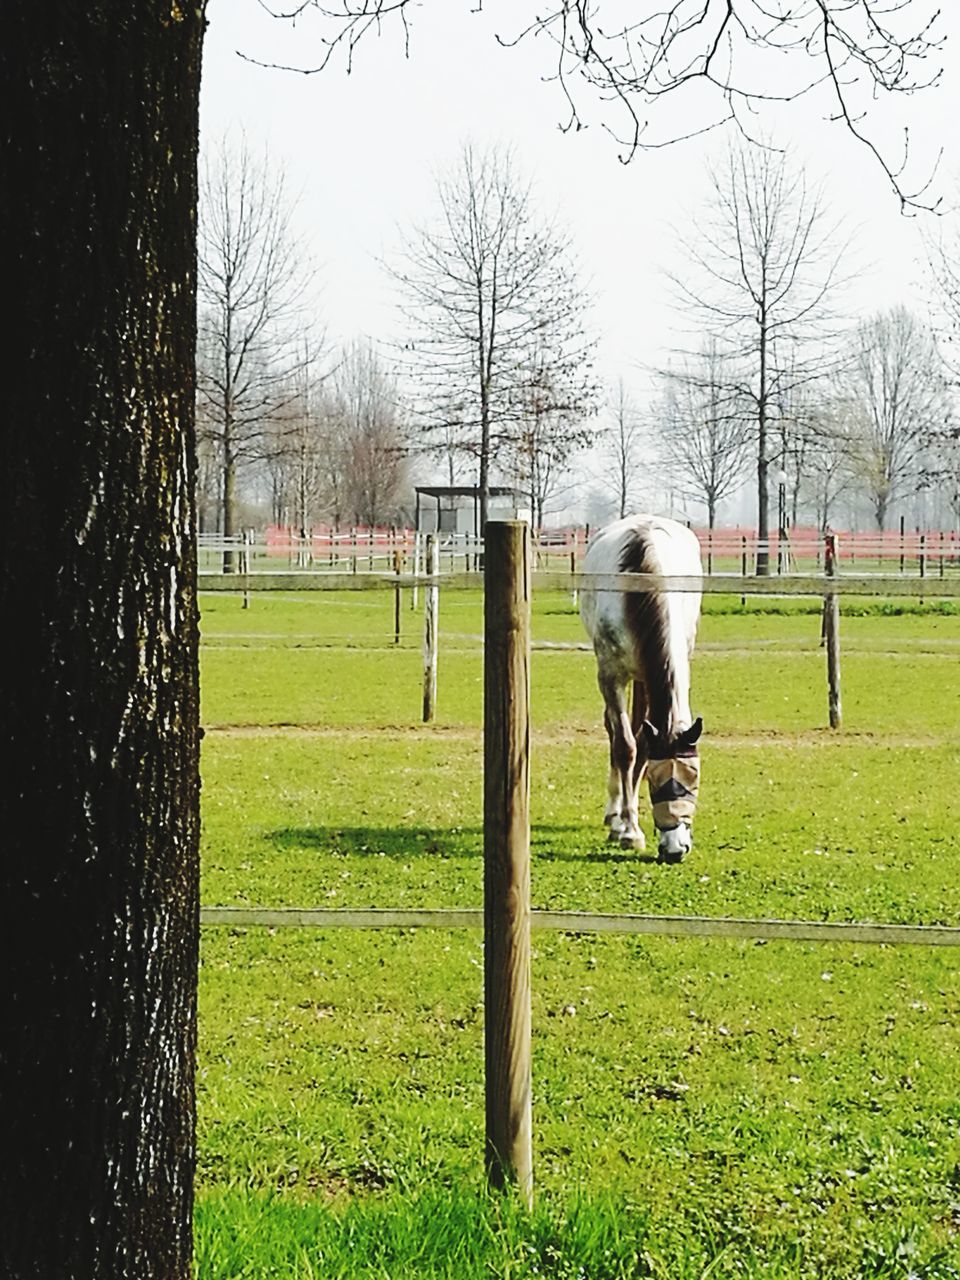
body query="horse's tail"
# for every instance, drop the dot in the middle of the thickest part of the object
(648, 622)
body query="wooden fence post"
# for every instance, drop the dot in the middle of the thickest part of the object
(431, 608)
(397, 593)
(245, 566)
(506, 855)
(831, 631)
(417, 567)
(902, 544)
(743, 566)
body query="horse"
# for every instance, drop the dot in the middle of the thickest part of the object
(647, 637)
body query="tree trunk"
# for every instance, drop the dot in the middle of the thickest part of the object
(763, 499)
(229, 500)
(763, 510)
(483, 479)
(98, 695)
(484, 361)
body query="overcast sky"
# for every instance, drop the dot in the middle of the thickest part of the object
(362, 152)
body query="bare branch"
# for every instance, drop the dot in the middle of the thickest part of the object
(725, 58)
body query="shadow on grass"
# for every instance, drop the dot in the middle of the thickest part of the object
(549, 843)
(382, 842)
(599, 853)
(556, 843)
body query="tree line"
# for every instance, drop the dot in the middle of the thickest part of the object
(494, 380)
(777, 381)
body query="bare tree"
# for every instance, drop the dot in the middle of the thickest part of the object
(337, 448)
(820, 449)
(551, 428)
(943, 256)
(702, 434)
(208, 480)
(942, 471)
(703, 61)
(622, 450)
(763, 266)
(293, 449)
(334, 466)
(372, 446)
(541, 455)
(494, 307)
(253, 284)
(896, 395)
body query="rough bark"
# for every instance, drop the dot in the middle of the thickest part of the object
(98, 695)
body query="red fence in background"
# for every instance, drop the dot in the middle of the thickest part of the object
(321, 537)
(725, 548)
(891, 550)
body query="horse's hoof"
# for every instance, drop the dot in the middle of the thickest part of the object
(671, 856)
(635, 841)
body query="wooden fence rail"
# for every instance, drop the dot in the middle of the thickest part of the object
(827, 586)
(799, 584)
(920, 935)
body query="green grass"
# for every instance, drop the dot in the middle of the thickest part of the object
(844, 831)
(448, 1233)
(286, 662)
(701, 1107)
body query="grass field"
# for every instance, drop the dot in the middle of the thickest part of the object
(701, 1107)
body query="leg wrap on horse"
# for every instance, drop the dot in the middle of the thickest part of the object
(674, 784)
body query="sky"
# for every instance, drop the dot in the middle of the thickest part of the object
(361, 152)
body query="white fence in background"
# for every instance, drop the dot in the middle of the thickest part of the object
(915, 552)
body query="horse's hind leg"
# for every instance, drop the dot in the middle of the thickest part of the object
(637, 717)
(622, 814)
(614, 784)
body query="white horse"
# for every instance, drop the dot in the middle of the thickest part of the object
(647, 637)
